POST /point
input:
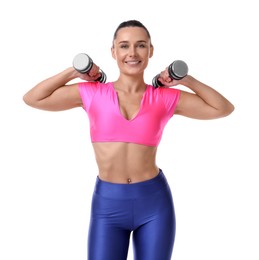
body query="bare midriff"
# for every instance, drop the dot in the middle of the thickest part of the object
(125, 162)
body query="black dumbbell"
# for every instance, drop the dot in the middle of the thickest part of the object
(177, 70)
(83, 64)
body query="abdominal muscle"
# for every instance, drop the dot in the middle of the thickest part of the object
(125, 162)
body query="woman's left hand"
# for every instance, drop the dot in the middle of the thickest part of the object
(166, 80)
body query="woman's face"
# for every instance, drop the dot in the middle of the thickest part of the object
(132, 49)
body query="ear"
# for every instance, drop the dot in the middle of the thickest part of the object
(113, 53)
(151, 51)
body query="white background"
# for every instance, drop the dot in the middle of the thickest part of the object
(47, 164)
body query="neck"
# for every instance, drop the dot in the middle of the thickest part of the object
(130, 84)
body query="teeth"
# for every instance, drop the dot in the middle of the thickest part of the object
(132, 62)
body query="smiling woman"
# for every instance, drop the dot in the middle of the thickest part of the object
(127, 119)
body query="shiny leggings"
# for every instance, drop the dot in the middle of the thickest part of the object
(145, 208)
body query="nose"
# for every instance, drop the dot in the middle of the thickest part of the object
(132, 51)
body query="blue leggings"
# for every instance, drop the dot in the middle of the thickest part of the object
(145, 208)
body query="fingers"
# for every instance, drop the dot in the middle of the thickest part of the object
(89, 78)
(91, 75)
(94, 71)
(165, 77)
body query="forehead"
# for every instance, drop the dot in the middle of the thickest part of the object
(132, 34)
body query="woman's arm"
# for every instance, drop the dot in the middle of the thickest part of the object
(204, 103)
(54, 95)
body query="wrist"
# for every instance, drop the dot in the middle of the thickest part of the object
(188, 81)
(70, 73)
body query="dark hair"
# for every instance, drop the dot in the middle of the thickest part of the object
(131, 23)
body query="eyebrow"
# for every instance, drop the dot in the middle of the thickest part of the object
(137, 41)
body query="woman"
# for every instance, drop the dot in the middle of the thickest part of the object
(127, 118)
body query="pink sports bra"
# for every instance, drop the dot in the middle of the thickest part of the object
(107, 124)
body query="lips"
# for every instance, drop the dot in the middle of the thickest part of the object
(132, 62)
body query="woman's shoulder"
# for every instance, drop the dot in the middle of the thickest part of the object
(163, 90)
(94, 85)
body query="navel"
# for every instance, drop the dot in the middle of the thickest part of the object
(129, 180)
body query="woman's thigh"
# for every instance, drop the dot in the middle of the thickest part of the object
(154, 237)
(109, 235)
(106, 242)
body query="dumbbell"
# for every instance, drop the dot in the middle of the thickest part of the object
(177, 70)
(83, 64)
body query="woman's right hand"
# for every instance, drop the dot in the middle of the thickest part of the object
(92, 75)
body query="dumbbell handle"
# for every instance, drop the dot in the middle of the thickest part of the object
(176, 70)
(83, 64)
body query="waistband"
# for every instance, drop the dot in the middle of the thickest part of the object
(133, 190)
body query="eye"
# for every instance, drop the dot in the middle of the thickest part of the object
(142, 45)
(124, 46)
